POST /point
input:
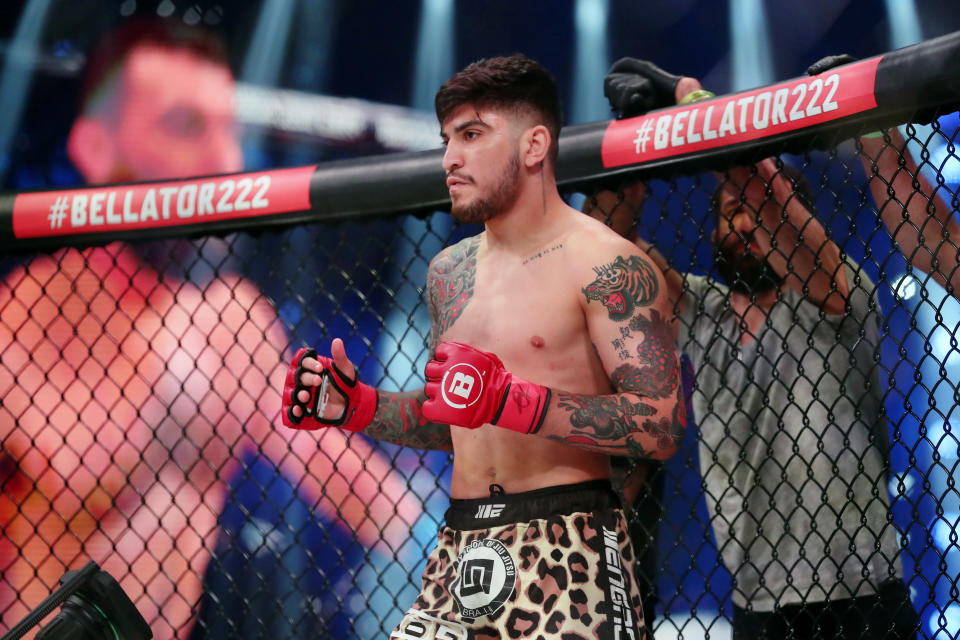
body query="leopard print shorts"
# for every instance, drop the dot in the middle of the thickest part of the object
(544, 564)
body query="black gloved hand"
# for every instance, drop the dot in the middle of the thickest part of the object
(829, 62)
(636, 86)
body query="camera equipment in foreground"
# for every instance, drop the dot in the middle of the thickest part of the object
(94, 608)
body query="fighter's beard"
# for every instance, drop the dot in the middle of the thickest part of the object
(502, 197)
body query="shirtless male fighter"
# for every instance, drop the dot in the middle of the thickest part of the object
(586, 367)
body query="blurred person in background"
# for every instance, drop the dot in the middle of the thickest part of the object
(129, 397)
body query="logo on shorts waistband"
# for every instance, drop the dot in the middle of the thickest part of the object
(486, 577)
(489, 510)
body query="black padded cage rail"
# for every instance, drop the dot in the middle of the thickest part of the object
(903, 83)
(139, 374)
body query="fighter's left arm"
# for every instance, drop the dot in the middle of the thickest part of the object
(625, 301)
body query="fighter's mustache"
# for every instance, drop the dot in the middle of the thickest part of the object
(459, 176)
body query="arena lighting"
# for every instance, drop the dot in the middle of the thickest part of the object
(904, 23)
(945, 337)
(945, 159)
(400, 344)
(945, 624)
(945, 532)
(901, 485)
(752, 57)
(435, 46)
(18, 71)
(945, 437)
(906, 287)
(268, 44)
(592, 61)
(265, 54)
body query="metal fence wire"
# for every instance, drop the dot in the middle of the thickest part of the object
(816, 300)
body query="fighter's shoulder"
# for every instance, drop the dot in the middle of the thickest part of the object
(456, 256)
(595, 244)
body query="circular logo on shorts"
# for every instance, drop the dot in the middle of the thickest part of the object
(461, 385)
(486, 576)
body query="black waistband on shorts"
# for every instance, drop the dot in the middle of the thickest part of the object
(511, 508)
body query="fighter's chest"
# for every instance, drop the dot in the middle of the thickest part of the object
(515, 313)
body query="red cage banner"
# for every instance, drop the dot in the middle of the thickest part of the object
(160, 204)
(742, 117)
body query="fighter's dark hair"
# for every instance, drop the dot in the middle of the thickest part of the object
(507, 82)
(111, 52)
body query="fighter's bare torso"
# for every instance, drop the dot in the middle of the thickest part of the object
(526, 307)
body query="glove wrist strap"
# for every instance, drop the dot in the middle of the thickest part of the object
(523, 406)
(361, 409)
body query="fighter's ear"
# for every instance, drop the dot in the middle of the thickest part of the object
(536, 145)
(92, 149)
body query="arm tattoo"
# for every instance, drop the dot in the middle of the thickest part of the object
(659, 373)
(607, 423)
(450, 285)
(623, 285)
(399, 419)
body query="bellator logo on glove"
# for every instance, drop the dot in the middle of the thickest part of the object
(469, 388)
(465, 385)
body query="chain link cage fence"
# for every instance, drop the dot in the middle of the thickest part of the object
(140, 380)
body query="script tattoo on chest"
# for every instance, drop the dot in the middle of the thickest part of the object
(542, 252)
(450, 285)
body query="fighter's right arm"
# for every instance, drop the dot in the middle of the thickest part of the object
(325, 392)
(449, 286)
(398, 416)
(399, 419)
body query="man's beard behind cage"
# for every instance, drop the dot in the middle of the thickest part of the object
(489, 207)
(748, 274)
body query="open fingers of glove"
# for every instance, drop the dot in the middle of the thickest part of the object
(324, 401)
(330, 401)
(310, 379)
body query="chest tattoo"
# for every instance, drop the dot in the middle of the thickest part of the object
(450, 286)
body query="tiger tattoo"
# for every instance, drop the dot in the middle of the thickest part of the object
(623, 285)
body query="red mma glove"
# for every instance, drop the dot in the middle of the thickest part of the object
(352, 407)
(470, 388)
